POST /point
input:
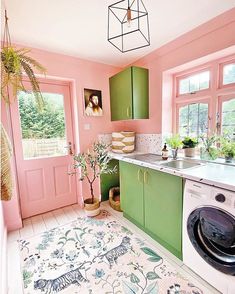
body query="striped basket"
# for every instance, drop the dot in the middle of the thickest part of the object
(123, 142)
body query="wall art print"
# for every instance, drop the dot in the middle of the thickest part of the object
(93, 102)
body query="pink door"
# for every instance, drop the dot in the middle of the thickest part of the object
(43, 142)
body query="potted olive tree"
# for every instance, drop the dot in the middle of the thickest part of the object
(92, 164)
(227, 149)
(189, 145)
(175, 143)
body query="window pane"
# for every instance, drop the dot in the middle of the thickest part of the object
(195, 83)
(184, 86)
(228, 117)
(43, 133)
(229, 74)
(193, 119)
(204, 80)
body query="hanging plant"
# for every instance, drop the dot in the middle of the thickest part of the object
(15, 64)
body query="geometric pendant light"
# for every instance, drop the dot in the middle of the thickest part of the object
(128, 25)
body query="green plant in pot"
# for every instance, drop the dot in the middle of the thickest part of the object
(92, 164)
(16, 64)
(209, 151)
(175, 143)
(189, 144)
(227, 149)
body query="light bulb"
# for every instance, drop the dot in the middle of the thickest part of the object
(128, 17)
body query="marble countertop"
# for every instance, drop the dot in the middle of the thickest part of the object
(218, 175)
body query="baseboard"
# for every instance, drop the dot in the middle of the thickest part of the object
(14, 225)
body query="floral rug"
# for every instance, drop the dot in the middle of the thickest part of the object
(97, 255)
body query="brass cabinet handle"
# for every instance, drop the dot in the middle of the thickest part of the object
(139, 173)
(128, 111)
(145, 177)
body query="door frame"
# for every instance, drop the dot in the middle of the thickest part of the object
(53, 80)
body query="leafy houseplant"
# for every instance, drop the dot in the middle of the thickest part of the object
(189, 145)
(14, 64)
(93, 163)
(175, 143)
(227, 149)
(209, 151)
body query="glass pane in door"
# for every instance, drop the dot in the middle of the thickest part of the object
(43, 132)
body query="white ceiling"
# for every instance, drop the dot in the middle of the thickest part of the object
(79, 27)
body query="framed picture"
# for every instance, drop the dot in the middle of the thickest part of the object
(93, 102)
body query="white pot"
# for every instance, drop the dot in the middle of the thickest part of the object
(92, 209)
(91, 213)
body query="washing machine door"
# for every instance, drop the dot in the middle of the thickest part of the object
(212, 233)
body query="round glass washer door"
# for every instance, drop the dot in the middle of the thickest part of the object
(212, 233)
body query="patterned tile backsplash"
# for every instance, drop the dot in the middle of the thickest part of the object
(149, 143)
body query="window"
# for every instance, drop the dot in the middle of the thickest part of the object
(43, 133)
(194, 83)
(206, 112)
(193, 119)
(228, 117)
(229, 74)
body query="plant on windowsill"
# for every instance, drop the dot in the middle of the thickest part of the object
(227, 149)
(92, 164)
(189, 144)
(175, 143)
(15, 64)
(209, 151)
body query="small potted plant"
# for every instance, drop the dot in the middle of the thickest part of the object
(175, 143)
(189, 145)
(227, 149)
(92, 164)
(209, 151)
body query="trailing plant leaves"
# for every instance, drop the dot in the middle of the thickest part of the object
(134, 279)
(13, 63)
(154, 257)
(152, 276)
(129, 288)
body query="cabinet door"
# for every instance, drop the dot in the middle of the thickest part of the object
(163, 209)
(131, 185)
(121, 95)
(140, 80)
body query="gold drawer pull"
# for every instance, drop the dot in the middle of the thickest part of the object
(145, 177)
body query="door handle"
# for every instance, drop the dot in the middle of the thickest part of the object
(69, 147)
(145, 177)
(139, 173)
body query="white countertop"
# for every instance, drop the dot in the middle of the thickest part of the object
(219, 175)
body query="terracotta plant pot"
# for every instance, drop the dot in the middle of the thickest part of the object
(189, 152)
(92, 209)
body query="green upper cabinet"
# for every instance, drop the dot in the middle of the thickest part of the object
(129, 94)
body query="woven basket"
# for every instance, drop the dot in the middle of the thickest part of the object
(114, 192)
(123, 142)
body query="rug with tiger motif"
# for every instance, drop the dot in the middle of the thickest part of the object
(98, 255)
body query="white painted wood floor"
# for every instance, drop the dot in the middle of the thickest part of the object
(40, 223)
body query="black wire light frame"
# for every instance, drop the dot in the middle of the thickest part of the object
(113, 9)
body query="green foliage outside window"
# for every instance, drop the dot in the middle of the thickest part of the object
(45, 124)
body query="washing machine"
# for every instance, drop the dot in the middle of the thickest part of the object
(209, 234)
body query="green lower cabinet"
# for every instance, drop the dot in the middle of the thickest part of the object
(153, 200)
(163, 202)
(131, 191)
